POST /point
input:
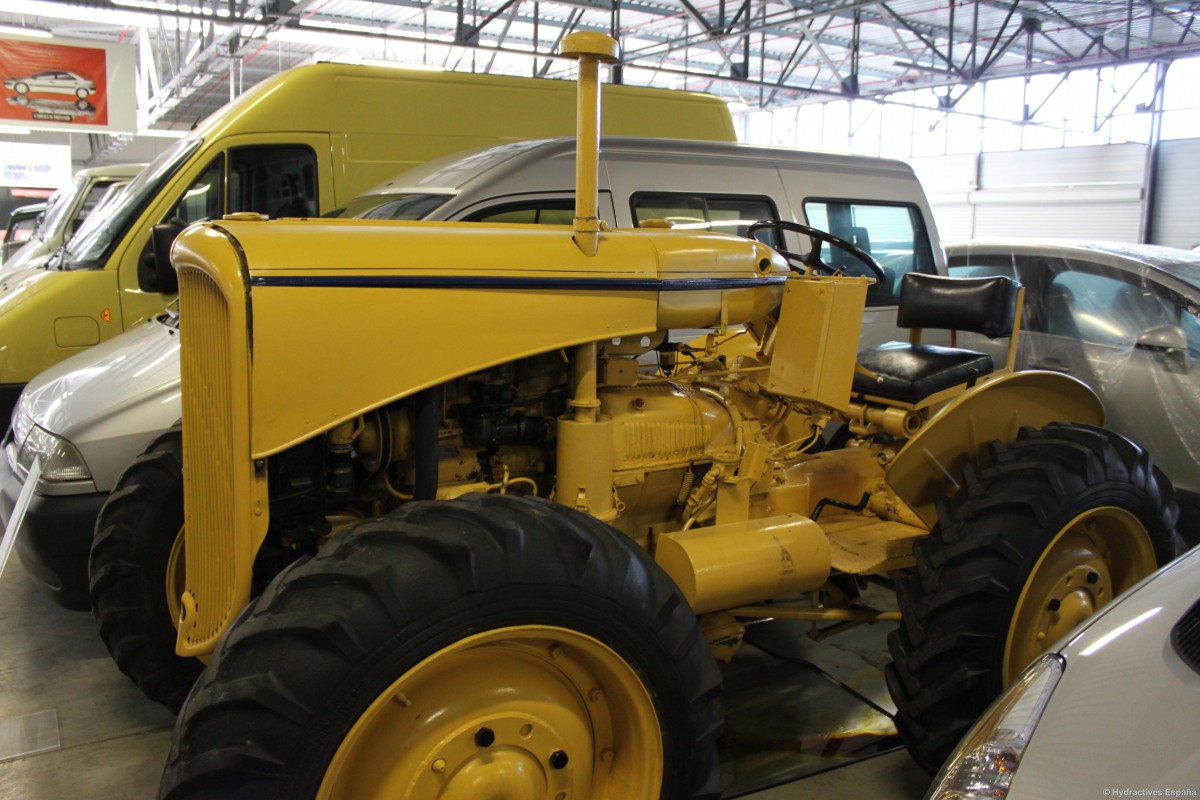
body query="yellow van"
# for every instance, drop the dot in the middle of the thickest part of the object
(299, 144)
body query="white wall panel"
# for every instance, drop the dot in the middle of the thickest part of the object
(955, 221)
(1177, 205)
(1064, 193)
(1119, 222)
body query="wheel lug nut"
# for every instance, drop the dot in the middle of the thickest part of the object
(484, 737)
(1055, 605)
(1092, 577)
(558, 759)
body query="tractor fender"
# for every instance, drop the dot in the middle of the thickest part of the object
(930, 465)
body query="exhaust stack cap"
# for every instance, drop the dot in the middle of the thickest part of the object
(590, 43)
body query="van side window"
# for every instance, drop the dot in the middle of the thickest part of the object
(533, 212)
(278, 181)
(893, 233)
(719, 213)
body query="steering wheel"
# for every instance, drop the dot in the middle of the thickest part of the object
(813, 260)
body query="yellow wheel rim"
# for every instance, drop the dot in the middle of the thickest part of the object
(175, 579)
(1095, 557)
(521, 713)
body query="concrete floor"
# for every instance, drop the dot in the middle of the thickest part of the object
(823, 713)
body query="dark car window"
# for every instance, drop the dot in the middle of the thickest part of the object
(278, 180)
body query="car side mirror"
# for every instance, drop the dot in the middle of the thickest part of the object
(155, 273)
(1169, 344)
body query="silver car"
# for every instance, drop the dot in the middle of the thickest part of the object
(1123, 319)
(1111, 712)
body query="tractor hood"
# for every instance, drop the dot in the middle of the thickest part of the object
(405, 306)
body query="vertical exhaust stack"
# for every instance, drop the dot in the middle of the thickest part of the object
(589, 48)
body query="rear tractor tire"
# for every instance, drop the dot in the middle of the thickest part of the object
(1045, 532)
(136, 572)
(489, 646)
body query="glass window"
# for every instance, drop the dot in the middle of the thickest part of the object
(395, 207)
(718, 213)
(99, 233)
(94, 195)
(533, 212)
(1103, 309)
(893, 234)
(278, 181)
(982, 267)
(202, 200)
(1191, 329)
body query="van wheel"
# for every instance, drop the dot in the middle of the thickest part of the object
(1047, 531)
(136, 572)
(485, 646)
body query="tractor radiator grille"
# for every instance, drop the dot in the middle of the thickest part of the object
(209, 458)
(1185, 637)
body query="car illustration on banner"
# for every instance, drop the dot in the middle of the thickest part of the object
(53, 82)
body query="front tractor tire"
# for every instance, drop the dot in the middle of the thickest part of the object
(135, 572)
(1046, 531)
(490, 646)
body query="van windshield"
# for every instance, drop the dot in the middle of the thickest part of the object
(99, 233)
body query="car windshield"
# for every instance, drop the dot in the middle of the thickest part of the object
(58, 208)
(393, 206)
(100, 232)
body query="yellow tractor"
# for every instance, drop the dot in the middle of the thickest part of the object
(518, 552)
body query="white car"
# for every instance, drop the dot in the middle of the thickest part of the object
(1112, 711)
(53, 82)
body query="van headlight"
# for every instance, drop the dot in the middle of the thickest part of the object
(986, 760)
(60, 460)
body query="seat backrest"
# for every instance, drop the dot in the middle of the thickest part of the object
(860, 237)
(979, 305)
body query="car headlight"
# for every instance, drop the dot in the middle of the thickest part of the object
(60, 460)
(986, 760)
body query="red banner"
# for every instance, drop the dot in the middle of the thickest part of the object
(53, 83)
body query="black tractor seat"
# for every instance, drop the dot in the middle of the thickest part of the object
(909, 372)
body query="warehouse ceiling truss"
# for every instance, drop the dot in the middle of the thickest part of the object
(758, 54)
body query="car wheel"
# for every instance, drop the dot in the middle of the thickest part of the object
(21, 88)
(1047, 531)
(486, 646)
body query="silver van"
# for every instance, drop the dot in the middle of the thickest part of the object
(89, 416)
